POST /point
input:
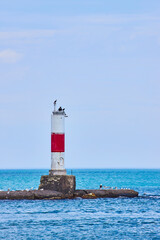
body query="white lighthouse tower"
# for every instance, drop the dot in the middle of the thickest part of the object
(57, 141)
(58, 180)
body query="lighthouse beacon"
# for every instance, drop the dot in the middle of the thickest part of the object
(57, 141)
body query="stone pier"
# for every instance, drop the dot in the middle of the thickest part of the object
(51, 195)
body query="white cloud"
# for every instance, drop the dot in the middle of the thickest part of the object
(9, 56)
(27, 34)
(120, 19)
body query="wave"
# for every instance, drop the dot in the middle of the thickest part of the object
(150, 196)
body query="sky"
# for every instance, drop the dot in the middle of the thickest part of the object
(101, 60)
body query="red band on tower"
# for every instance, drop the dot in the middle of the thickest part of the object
(57, 142)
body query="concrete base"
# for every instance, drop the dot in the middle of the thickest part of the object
(65, 184)
(57, 172)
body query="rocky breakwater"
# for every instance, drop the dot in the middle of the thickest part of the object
(31, 195)
(51, 195)
(107, 193)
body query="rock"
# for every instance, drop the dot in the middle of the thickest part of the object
(50, 194)
(79, 193)
(33, 194)
(108, 193)
(89, 196)
(21, 195)
(47, 194)
(17, 195)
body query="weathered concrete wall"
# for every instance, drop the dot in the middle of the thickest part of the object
(65, 184)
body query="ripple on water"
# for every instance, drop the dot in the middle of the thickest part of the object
(121, 218)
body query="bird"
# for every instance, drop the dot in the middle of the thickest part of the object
(60, 109)
(55, 101)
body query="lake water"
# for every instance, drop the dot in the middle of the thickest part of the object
(121, 218)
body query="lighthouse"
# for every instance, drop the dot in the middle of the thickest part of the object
(57, 179)
(58, 141)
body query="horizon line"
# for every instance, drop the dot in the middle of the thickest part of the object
(82, 168)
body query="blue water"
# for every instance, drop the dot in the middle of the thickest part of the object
(121, 218)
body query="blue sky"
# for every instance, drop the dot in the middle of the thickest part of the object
(100, 59)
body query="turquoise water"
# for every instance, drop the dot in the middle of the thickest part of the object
(121, 218)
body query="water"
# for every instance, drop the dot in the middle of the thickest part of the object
(121, 218)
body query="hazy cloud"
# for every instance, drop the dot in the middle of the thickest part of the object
(120, 18)
(27, 34)
(9, 56)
